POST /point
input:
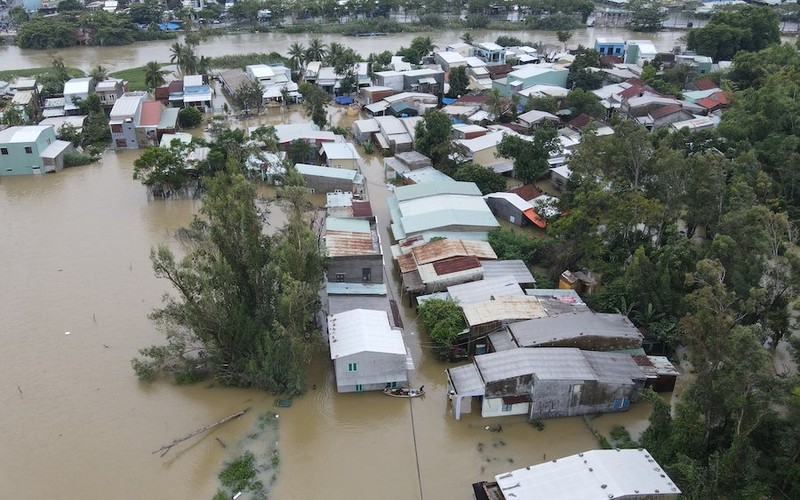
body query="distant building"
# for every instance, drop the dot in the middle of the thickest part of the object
(639, 52)
(610, 46)
(109, 90)
(75, 91)
(530, 75)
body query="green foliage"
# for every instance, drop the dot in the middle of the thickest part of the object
(530, 157)
(508, 41)
(647, 15)
(751, 28)
(95, 130)
(77, 159)
(444, 320)
(512, 245)
(315, 103)
(545, 103)
(240, 61)
(420, 47)
(163, 169)
(240, 473)
(580, 76)
(190, 117)
(487, 180)
(581, 101)
(300, 151)
(536, 424)
(458, 81)
(477, 21)
(554, 22)
(249, 96)
(434, 136)
(46, 33)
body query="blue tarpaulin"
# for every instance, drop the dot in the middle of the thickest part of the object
(344, 99)
(447, 101)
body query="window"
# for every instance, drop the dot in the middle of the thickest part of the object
(617, 404)
(116, 128)
(352, 367)
(359, 387)
(625, 403)
(28, 150)
(122, 143)
(340, 277)
(4, 151)
(366, 274)
(391, 385)
(506, 407)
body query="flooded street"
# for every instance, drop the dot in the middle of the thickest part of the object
(74, 257)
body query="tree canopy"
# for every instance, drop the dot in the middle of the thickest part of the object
(746, 27)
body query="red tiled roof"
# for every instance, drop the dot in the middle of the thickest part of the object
(499, 69)
(705, 84)
(162, 93)
(151, 113)
(633, 91)
(362, 209)
(665, 111)
(176, 86)
(714, 101)
(527, 192)
(636, 81)
(472, 99)
(455, 265)
(580, 121)
(721, 97)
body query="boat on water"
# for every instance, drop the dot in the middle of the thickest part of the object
(404, 392)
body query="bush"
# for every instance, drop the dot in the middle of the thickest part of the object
(555, 22)
(444, 321)
(190, 117)
(432, 20)
(76, 159)
(477, 21)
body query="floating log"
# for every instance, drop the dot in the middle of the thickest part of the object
(169, 446)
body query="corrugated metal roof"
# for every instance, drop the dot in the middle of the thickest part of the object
(466, 380)
(455, 264)
(444, 249)
(566, 326)
(349, 225)
(55, 148)
(335, 288)
(484, 290)
(502, 268)
(614, 367)
(77, 85)
(417, 191)
(595, 474)
(21, 134)
(502, 341)
(126, 106)
(363, 330)
(555, 363)
(362, 209)
(169, 118)
(340, 151)
(344, 244)
(504, 308)
(329, 172)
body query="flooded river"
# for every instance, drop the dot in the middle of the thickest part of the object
(76, 290)
(128, 56)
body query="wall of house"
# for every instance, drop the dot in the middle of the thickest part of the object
(18, 162)
(353, 266)
(567, 398)
(123, 136)
(494, 407)
(506, 211)
(375, 370)
(485, 156)
(328, 184)
(351, 163)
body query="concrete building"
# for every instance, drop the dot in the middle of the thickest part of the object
(639, 52)
(109, 90)
(530, 75)
(124, 119)
(31, 149)
(449, 60)
(591, 475)
(443, 209)
(367, 353)
(546, 383)
(197, 93)
(340, 155)
(393, 135)
(75, 91)
(489, 52)
(329, 180)
(610, 46)
(354, 249)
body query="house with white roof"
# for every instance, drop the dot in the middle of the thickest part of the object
(124, 119)
(530, 75)
(462, 48)
(449, 60)
(197, 93)
(639, 52)
(340, 155)
(367, 353)
(440, 209)
(31, 149)
(76, 90)
(535, 118)
(109, 90)
(591, 475)
(489, 52)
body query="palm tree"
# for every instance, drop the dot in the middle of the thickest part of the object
(99, 73)
(495, 102)
(335, 52)
(316, 50)
(153, 76)
(178, 51)
(467, 37)
(190, 62)
(297, 55)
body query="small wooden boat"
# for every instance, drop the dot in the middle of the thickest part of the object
(405, 392)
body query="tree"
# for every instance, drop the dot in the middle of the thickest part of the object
(95, 129)
(581, 75)
(99, 73)
(245, 303)
(646, 15)
(46, 33)
(458, 81)
(747, 27)
(184, 58)
(190, 117)
(444, 320)
(245, 10)
(154, 75)
(315, 103)
(496, 103)
(564, 37)
(316, 50)
(513, 245)
(300, 151)
(487, 180)
(297, 56)
(164, 170)
(581, 101)
(434, 136)
(249, 95)
(70, 6)
(145, 13)
(420, 47)
(544, 103)
(11, 116)
(466, 37)
(530, 157)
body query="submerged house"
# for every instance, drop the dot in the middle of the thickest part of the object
(591, 475)
(546, 383)
(585, 330)
(367, 353)
(31, 149)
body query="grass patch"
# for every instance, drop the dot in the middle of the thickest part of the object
(134, 77)
(10, 74)
(234, 61)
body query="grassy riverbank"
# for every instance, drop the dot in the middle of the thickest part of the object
(134, 76)
(10, 74)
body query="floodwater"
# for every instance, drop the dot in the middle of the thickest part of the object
(74, 258)
(128, 56)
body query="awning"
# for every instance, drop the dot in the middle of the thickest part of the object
(428, 80)
(535, 218)
(512, 400)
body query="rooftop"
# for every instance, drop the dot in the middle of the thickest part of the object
(329, 172)
(363, 330)
(444, 249)
(151, 113)
(432, 189)
(595, 474)
(348, 237)
(504, 268)
(505, 308)
(485, 290)
(567, 326)
(340, 151)
(22, 134)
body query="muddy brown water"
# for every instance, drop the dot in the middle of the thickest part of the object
(76, 423)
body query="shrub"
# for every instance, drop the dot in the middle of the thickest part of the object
(76, 159)
(554, 22)
(190, 117)
(477, 21)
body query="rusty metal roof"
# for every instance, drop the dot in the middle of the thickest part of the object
(503, 309)
(445, 249)
(455, 264)
(344, 243)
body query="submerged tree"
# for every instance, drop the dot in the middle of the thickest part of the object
(245, 302)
